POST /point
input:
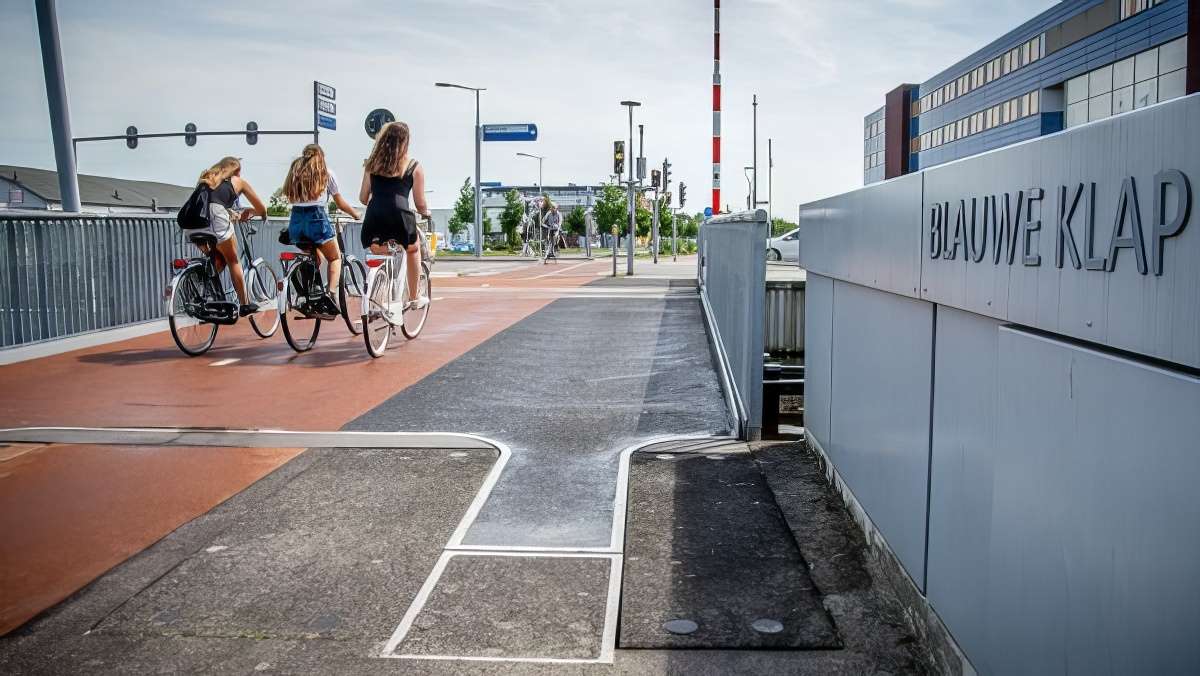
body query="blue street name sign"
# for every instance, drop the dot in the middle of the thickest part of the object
(326, 122)
(510, 132)
(490, 184)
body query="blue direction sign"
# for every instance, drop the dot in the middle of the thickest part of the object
(327, 122)
(510, 132)
(490, 184)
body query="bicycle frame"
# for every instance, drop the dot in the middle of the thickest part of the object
(399, 275)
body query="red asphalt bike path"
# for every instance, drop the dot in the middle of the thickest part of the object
(68, 513)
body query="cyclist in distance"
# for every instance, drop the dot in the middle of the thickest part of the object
(389, 176)
(225, 180)
(309, 184)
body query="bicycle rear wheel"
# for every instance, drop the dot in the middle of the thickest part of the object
(414, 320)
(299, 328)
(350, 293)
(262, 285)
(376, 327)
(193, 336)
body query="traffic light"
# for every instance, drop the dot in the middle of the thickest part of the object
(666, 174)
(618, 158)
(131, 137)
(682, 194)
(189, 136)
(251, 133)
(655, 177)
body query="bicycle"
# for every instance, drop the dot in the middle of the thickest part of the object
(385, 304)
(198, 303)
(302, 287)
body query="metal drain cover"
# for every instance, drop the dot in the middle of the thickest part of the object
(765, 626)
(681, 627)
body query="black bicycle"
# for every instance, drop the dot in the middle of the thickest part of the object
(198, 302)
(303, 288)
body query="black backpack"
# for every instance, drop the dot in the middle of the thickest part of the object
(194, 212)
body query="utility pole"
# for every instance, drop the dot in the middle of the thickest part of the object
(632, 207)
(754, 186)
(770, 185)
(633, 197)
(56, 97)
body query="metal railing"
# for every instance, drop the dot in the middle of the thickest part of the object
(69, 274)
(732, 273)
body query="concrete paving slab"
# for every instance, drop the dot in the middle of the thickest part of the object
(706, 544)
(514, 607)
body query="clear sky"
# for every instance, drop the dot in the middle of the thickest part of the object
(817, 67)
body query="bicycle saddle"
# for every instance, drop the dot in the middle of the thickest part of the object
(202, 239)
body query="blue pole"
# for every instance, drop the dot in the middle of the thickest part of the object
(56, 96)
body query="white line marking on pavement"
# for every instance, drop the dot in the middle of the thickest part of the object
(558, 272)
(226, 362)
(608, 634)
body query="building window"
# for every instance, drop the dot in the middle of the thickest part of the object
(16, 196)
(1141, 80)
(1131, 7)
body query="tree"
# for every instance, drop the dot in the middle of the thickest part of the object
(464, 210)
(689, 226)
(610, 210)
(780, 226)
(510, 218)
(278, 204)
(665, 218)
(644, 218)
(576, 222)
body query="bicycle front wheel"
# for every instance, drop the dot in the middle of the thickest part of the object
(193, 336)
(262, 285)
(376, 327)
(350, 293)
(300, 328)
(414, 319)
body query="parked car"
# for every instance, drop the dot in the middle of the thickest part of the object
(462, 247)
(786, 247)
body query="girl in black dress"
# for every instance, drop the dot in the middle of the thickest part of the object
(389, 178)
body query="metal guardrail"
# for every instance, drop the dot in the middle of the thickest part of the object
(732, 274)
(70, 274)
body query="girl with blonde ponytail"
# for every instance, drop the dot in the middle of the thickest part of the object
(309, 184)
(224, 180)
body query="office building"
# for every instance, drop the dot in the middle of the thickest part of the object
(1077, 62)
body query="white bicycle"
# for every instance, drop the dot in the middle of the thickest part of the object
(385, 299)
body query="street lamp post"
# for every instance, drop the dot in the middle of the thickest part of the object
(478, 152)
(539, 158)
(632, 205)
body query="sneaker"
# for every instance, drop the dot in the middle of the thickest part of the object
(247, 310)
(419, 304)
(326, 308)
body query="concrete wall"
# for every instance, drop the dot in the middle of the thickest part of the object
(1033, 473)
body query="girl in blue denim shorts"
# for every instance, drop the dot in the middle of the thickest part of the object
(309, 185)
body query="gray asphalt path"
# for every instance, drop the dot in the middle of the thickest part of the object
(567, 389)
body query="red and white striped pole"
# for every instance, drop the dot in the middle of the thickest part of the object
(716, 146)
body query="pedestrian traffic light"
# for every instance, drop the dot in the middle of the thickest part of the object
(682, 194)
(655, 177)
(189, 135)
(618, 158)
(251, 133)
(131, 137)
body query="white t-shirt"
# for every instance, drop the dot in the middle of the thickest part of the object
(331, 189)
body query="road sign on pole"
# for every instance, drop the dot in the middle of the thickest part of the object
(376, 119)
(328, 107)
(326, 91)
(326, 122)
(510, 132)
